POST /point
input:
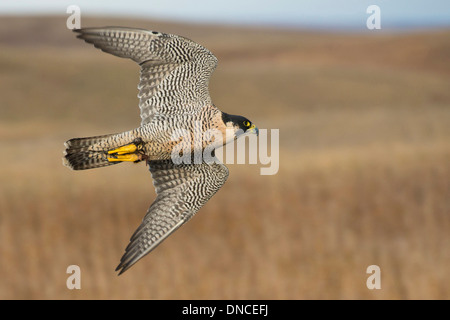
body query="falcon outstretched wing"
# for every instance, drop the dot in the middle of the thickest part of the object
(175, 71)
(181, 191)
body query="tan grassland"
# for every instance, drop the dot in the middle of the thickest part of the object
(364, 176)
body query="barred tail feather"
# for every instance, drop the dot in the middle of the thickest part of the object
(86, 153)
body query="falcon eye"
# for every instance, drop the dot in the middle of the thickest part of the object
(247, 123)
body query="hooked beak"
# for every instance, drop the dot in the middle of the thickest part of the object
(253, 129)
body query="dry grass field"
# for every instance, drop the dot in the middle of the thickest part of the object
(364, 173)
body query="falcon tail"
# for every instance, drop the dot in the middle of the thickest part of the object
(86, 153)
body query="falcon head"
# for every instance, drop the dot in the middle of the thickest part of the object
(239, 125)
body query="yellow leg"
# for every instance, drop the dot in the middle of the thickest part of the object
(132, 152)
(130, 148)
(125, 157)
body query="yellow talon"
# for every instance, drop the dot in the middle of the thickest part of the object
(125, 157)
(123, 150)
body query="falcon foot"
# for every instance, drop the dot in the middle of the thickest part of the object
(133, 152)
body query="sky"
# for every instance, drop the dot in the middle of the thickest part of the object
(316, 14)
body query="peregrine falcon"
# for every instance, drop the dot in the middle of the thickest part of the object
(173, 97)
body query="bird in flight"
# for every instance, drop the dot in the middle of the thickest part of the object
(176, 110)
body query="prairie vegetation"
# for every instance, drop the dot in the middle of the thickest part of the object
(364, 173)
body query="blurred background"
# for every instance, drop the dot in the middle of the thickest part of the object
(364, 178)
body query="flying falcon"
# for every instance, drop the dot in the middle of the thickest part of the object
(173, 99)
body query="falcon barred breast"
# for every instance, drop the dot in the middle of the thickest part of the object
(173, 97)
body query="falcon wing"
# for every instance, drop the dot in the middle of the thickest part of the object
(175, 71)
(181, 191)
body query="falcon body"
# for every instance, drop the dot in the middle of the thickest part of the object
(176, 111)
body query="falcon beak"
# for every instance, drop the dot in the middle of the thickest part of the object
(253, 129)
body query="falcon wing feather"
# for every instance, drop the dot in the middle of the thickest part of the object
(175, 71)
(181, 191)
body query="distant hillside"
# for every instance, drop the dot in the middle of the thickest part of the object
(420, 50)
